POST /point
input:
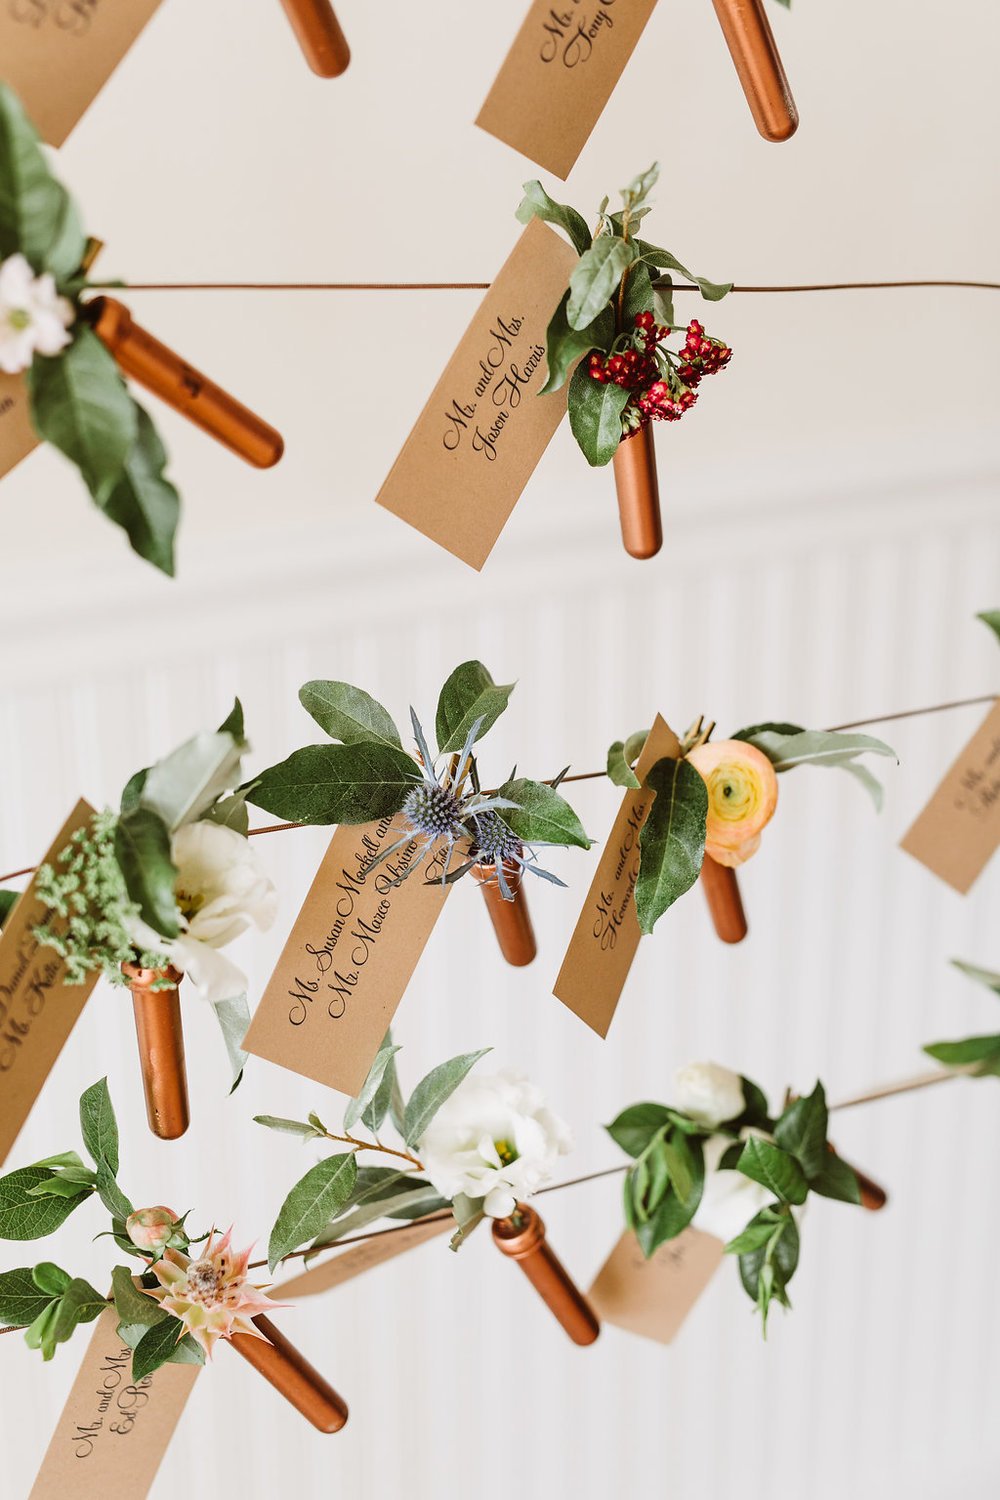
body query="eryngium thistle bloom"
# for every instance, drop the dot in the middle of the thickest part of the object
(433, 810)
(494, 840)
(211, 1295)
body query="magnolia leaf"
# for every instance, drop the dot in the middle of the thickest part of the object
(984, 976)
(24, 1216)
(774, 1169)
(595, 278)
(21, 1300)
(337, 784)
(155, 1347)
(712, 291)
(469, 696)
(672, 839)
(80, 404)
(801, 1130)
(142, 849)
(311, 1204)
(991, 617)
(836, 1180)
(182, 786)
(595, 412)
(432, 1091)
(348, 713)
(36, 216)
(619, 770)
(372, 1084)
(564, 345)
(541, 815)
(536, 204)
(98, 1124)
(635, 1127)
(233, 1017)
(132, 1305)
(143, 502)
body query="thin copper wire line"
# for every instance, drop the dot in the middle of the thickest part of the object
(906, 713)
(482, 286)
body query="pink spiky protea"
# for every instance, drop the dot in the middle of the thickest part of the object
(211, 1295)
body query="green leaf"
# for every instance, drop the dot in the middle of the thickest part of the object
(836, 1180)
(387, 1099)
(311, 1204)
(142, 501)
(815, 747)
(8, 900)
(634, 196)
(991, 617)
(541, 815)
(413, 1202)
(595, 278)
(233, 1016)
(132, 1305)
(348, 714)
(432, 1091)
(142, 849)
(756, 1234)
(98, 1124)
(469, 694)
(50, 1279)
(21, 1300)
(155, 1347)
(336, 784)
(619, 770)
(801, 1130)
(79, 1303)
(712, 291)
(36, 217)
(595, 412)
(80, 404)
(536, 204)
(677, 1158)
(182, 786)
(984, 976)
(469, 1214)
(774, 1169)
(635, 1127)
(41, 1334)
(564, 345)
(111, 1195)
(766, 1272)
(288, 1127)
(983, 1050)
(24, 1216)
(672, 840)
(638, 295)
(674, 1213)
(231, 812)
(372, 1084)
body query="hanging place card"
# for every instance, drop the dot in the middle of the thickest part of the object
(653, 1297)
(348, 958)
(37, 1009)
(58, 54)
(364, 1257)
(113, 1431)
(559, 75)
(17, 436)
(606, 937)
(485, 427)
(959, 830)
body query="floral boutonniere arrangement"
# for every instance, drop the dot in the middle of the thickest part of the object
(976, 1055)
(456, 827)
(713, 803)
(612, 325)
(155, 892)
(72, 351)
(188, 1293)
(718, 1159)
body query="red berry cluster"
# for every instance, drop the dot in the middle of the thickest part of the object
(637, 368)
(701, 355)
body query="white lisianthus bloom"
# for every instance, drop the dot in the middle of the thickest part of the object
(708, 1093)
(33, 316)
(221, 892)
(729, 1200)
(494, 1140)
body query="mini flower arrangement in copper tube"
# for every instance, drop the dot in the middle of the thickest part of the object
(190, 1293)
(455, 826)
(73, 349)
(752, 47)
(611, 330)
(478, 1144)
(717, 1158)
(318, 32)
(155, 892)
(713, 803)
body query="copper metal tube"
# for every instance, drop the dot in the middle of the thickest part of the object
(319, 35)
(748, 36)
(638, 493)
(291, 1374)
(189, 392)
(511, 919)
(522, 1237)
(160, 1036)
(722, 892)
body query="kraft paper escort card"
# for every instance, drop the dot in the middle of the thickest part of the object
(58, 54)
(113, 1432)
(17, 436)
(559, 75)
(653, 1297)
(958, 831)
(348, 959)
(485, 427)
(606, 937)
(363, 1257)
(37, 1009)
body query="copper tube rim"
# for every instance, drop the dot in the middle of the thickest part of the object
(638, 494)
(160, 1039)
(318, 33)
(752, 47)
(291, 1374)
(522, 1238)
(725, 903)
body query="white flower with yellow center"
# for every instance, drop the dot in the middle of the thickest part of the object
(33, 316)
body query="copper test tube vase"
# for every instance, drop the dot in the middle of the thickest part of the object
(522, 1237)
(638, 494)
(290, 1373)
(511, 919)
(318, 32)
(163, 372)
(722, 892)
(160, 1035)
(752, 47)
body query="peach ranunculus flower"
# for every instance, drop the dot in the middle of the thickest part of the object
(153, 1229)
(742, 795)
(210, 1295)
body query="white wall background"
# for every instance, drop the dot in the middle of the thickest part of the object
(831, 529)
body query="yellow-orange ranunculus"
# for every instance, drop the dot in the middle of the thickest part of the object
(742, 795)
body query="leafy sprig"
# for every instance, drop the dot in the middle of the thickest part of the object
(979, 1055)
